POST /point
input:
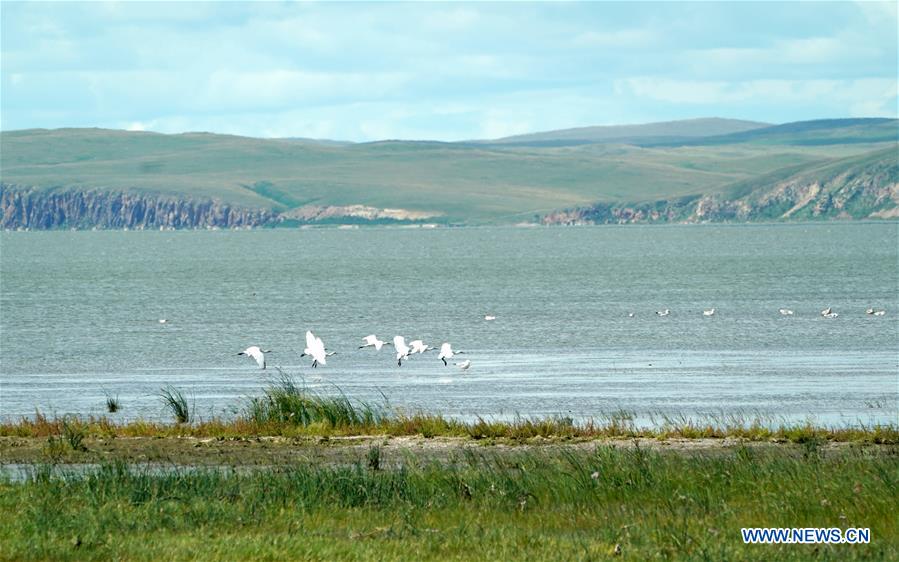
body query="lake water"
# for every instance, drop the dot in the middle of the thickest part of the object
(79, 318)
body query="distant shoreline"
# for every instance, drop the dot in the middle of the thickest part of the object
(521, 226)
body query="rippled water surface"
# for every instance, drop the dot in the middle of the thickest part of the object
(80, 318)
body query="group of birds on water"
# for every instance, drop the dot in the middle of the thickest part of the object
(826, 313)
(315, 348)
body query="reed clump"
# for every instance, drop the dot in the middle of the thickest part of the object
(174, 400)
(285, 402)
(112, 403)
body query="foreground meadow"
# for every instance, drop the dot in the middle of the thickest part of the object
(549, 503)
(302, 476)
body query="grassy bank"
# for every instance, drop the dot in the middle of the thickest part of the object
(287, 409)
(550, 503)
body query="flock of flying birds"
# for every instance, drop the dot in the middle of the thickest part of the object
(315, 347)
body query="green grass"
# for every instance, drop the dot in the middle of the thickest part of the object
(548, 504)
(74, 433)
(287, 403)
(176, 403)
(112, 403)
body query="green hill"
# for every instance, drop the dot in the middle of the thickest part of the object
(664, 132)
(86, 176)
(807, 133)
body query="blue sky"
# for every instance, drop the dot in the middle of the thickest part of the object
(443, 71)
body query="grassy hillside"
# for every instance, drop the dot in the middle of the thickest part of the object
(459, 182)
(811, 133)
(667, 131)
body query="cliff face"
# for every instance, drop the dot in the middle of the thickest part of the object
(856, 192)
(21, 207)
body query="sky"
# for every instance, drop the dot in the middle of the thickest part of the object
(439, 71)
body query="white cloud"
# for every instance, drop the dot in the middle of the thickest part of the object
(365, 71)
(880, 13)
(873, 92)
(139, 126)
(273, 88)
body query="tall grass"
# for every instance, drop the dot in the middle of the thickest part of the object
(74, 433)
(112, 403)
(175, 401)
(538, 504)
(284, 402)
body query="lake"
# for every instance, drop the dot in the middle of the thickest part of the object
(80, 311)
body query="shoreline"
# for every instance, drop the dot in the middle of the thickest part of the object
(277, 451)
(830, 221)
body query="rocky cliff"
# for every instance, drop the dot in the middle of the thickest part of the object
(850, 189)
(23, 207)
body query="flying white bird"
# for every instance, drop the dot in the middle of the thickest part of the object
(316, 349)
(419, 346)
(464, 365)
(402, 350)
(446, 352)
(489, 317)
(373, 341)
(709, 312)
(665, 312)
(785, 311)
(257, 354)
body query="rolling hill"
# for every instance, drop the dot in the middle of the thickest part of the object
(112, 179)
(663, 132)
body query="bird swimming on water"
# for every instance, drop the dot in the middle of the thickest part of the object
(664, 312)
(708, 312)
(464, 365)
(785, 311)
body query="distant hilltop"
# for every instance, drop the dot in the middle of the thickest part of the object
(697, 170)
(667, 131)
